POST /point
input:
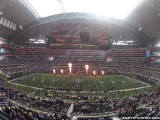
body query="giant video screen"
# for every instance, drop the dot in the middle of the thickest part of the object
(79, 36)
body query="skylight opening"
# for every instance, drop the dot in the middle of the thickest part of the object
(119, 9)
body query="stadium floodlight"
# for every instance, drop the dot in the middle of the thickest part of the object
(41, 40)
(140, 28)
(61, 71)
(54, 71)
(1, 42)
(70, 68)
(125, 44)
(114, 43)
(20, 27)
(86, 67)
(120, 41)
(129, 41)
(32, 39)
(36, 42)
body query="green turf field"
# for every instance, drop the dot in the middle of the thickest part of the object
(89, 86)
(72, 83)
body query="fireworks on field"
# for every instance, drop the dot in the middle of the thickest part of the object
(70, 68)
(86, 67)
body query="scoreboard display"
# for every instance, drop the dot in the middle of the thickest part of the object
(83, 41)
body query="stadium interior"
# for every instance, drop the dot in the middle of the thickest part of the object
(79, 60)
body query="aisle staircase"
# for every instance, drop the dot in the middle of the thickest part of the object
(70, 109)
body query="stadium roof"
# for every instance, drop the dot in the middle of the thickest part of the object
(14, 16)
(111, 8)
(17, 15)
(146, 18)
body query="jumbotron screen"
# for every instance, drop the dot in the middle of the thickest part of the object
(81, 41)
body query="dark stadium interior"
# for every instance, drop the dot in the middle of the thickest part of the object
(78, 64)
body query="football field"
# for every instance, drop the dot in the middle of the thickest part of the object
(80, 83)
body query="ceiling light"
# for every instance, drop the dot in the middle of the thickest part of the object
(129, 41)
(32, 39)
(1, 42)
(114, 43)
(120, 41)
(21, 27)
(36, 42)
(140, 28)
(41, 40)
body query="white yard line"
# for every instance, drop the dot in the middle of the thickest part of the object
(22, 77)
(135, 80)
(25, 85)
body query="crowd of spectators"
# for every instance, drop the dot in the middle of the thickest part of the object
(22, 113)
(150, 70)
(55, 106)
(124, 107)
(130, 106)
